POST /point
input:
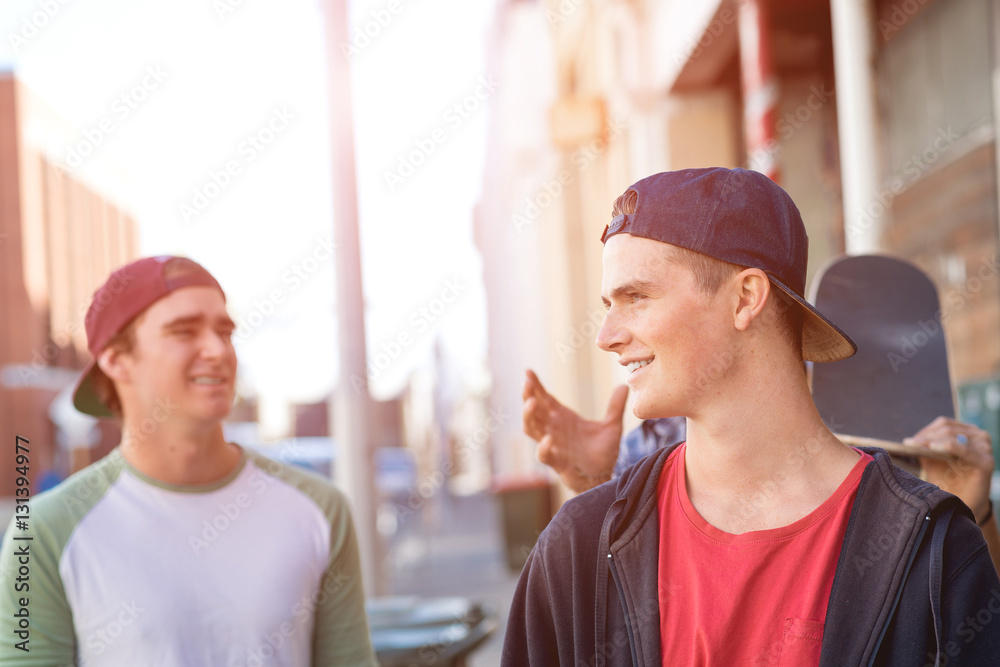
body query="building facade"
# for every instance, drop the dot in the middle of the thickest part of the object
(877, 116)
(59, 239)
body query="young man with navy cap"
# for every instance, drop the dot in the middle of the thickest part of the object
(761, 539)
(179, 548)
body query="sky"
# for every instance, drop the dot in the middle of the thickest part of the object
(216, 111)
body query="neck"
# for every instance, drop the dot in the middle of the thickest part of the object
(761, 457)
(177, 455)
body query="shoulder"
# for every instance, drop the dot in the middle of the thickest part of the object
(886, 480)
(604, 511)
(54, 515)
(891, 489)
(581, 514)
(67, 503)
(312, 487)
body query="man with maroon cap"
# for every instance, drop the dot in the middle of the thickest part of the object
(179, 548)
(762, 539)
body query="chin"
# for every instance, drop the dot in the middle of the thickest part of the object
(216, 412)
(643, 411)
(650, 410)
(222, 412)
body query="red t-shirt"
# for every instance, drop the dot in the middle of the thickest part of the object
(746, 600)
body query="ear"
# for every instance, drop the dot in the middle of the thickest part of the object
(111, 361)
(754, 289)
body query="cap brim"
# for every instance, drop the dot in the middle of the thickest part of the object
(85, 397)
(822, 340)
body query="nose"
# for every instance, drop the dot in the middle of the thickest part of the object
(215, 345)
(612, 335)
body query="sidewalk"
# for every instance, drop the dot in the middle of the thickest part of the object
(454, 547)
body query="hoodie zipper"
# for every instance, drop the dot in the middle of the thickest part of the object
(899, 590)
(628, 618)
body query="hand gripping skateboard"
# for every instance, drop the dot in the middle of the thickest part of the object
(899, 379)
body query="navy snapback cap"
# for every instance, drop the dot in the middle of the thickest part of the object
(741, 217)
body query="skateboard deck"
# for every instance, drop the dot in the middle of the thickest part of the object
(899, 380)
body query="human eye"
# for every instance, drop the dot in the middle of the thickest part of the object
(636, 297)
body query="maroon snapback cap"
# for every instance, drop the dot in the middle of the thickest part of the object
(124, 296)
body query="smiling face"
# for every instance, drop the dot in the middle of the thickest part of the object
(673, 336)
(183, 363)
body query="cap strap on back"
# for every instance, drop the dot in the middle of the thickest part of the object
(617, 225)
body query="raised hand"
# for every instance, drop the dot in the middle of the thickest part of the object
(581, 451)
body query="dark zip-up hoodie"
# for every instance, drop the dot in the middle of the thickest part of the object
(914, 584)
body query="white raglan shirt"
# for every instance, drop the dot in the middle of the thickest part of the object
(234, 573)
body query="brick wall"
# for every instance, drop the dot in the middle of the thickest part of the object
(946, 223)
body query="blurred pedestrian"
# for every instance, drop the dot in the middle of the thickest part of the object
(178, 548)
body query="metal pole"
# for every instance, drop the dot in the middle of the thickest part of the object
(354, 467)
(857, 112)
(760, 87)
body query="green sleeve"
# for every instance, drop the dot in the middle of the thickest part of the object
(33, 595)
(341, 632)
(50, 639)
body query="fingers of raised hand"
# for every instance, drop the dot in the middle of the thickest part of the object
(531, 384)
(547, 453)
(534, 419)
(616, 404)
